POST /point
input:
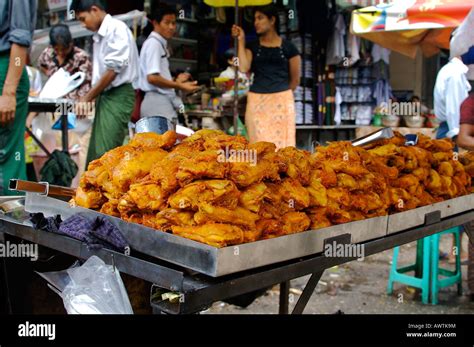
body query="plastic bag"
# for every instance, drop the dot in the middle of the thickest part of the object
(61, 83)
(93, 288)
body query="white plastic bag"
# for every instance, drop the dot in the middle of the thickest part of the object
(93, 288)
(61, 83)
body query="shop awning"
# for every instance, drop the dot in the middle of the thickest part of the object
(403, 25)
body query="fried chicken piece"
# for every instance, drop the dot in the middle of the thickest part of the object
(137, 164)
(213, 140)
(390, 149)
(252, 197)
(467, 160)
(269, 228)
(326, 174)
(409, 182)
(439, 157)
(317, 191)
(203, 165)
(398, 140)
(153, 140)
(445, 168)
(146, 196)
(246, 174)
(169, 217)
(110, 208)
(338, 216)
(400, 199)
(422, 173)
(224, 141)
(434, 182)
(149, 220)
(342, 157)
(216, 192)
(91, 198)
(239, 216)
(295, 222)
(346, 181)
(339, 195)
(368, 202)
(442, 145)
(213, 234)
(164, 172)
(297, 162)
(132, 217)
(294, 194)
(318, 218)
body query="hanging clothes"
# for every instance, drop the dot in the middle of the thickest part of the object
(338, 102)
(336, 50)
(353, 48)
(380, 53)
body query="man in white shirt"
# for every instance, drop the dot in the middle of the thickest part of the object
(451, 89)
(155, 76)
(114, 74)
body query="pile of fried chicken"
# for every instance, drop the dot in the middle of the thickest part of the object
(206, 189)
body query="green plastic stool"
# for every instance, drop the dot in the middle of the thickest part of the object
(450, 277)
(426, 268)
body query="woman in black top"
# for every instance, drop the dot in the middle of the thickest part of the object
(276, 64)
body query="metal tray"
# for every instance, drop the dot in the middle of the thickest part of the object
(217, 261)
(412, 218)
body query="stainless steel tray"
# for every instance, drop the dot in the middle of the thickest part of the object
(218, 261)
(412, 218)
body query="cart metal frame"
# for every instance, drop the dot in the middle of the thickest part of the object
(198, 291)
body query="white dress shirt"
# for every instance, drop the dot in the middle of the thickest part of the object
(451, 89)
(154, 59)
(115, 49)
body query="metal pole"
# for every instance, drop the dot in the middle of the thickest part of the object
(64, 133)
(236, 76)
(284, 297)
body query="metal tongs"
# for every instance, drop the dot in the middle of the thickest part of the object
(385, 133)
(42, 188)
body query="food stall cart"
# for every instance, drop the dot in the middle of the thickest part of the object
(201, 274)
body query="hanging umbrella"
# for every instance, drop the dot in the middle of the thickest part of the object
(236, 4)
(403, 25)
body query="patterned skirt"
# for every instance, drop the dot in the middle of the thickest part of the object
(271, 117)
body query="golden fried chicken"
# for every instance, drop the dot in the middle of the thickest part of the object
(238, 216)
(298, 163)
(146, 196)
(317, 191)
(252, 197)
(169, 217)
(205, 164)
(318, 217)
(245, 174)
(92, 199)
(213, 234)
(295, 222)
(216, 192)
(294, 194)
(134, 165)
(154, 141)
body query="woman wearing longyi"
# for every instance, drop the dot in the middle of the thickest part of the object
(276, 63)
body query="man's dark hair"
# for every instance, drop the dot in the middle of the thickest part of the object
(85, 5)
(270, 11)
(60, 35)
(161, 11)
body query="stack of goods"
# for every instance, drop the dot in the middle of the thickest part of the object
(427, 173)
(221, 190)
